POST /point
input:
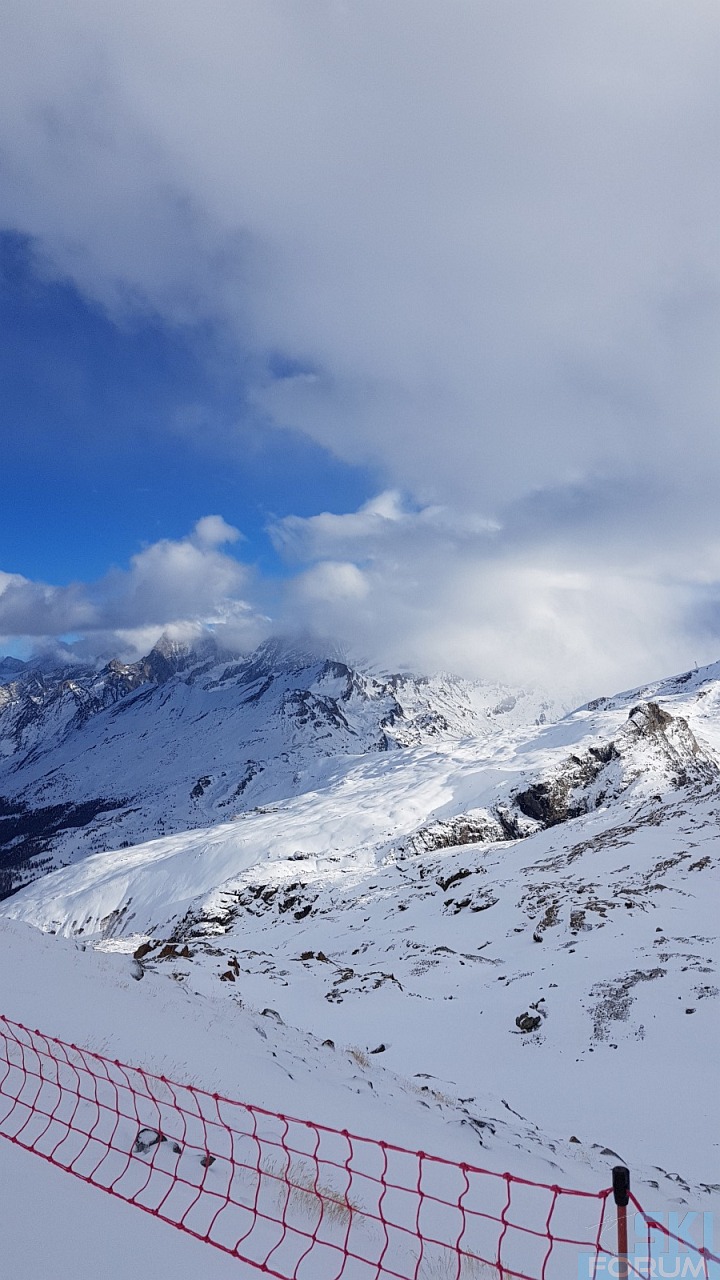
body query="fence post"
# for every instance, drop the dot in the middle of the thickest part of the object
(621, 1196)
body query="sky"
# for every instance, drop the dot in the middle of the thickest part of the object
(390, 321)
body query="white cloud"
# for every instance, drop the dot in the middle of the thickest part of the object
(489, 231)
(486, 235)
(180, 584)
(405, 586)
(213, 531)
(330, 583)
(37, 609)
(577, 620)
(360, 532)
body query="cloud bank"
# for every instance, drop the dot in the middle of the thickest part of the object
(482, 238)
(425, 589)
(183, 584)
(402, 587)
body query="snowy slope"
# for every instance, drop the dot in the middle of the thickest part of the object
(92, 999)
(188, 737)
(524, 925)
(55, 1226)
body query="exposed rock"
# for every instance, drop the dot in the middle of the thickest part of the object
(475, 827)
(272, 1013)
(146, 1139)
(526, 1022)
(445, 884)
(648, 717)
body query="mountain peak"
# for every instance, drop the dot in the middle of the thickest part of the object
(170, 655)
(290, 652)
(10, 668)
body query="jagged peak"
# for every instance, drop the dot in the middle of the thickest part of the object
(172, 654)
(172, 647)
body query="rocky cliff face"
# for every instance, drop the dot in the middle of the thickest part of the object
(652, 753)
(653, 744)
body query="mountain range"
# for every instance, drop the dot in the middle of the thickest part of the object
(94, 759)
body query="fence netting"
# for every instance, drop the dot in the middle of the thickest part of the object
(297, 1200)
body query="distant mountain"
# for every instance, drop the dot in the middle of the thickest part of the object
(189, 735)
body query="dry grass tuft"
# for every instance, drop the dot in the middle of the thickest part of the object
(446, 1268)
(308, 1194)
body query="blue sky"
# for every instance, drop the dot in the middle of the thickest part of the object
(96, 458)
(397, 323)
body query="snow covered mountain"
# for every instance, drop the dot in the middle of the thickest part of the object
(520, 923)
(92, 760)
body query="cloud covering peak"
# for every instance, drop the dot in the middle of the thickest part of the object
(402, 586)
(169, 583)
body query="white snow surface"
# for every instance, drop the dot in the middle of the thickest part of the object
(417, 902)
(55, 1225)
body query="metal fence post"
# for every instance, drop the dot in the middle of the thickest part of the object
(621, 1196)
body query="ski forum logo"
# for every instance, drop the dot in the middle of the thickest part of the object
(653, 1255)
